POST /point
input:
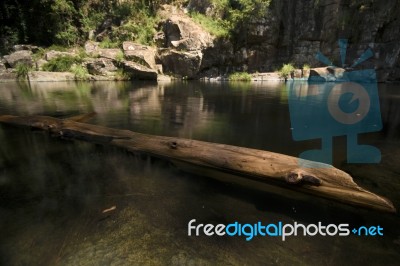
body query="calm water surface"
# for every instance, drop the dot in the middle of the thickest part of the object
(53, 192)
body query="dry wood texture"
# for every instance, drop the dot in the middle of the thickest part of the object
(265, 167)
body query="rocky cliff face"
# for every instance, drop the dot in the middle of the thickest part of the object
(290, 31)
(295, 30)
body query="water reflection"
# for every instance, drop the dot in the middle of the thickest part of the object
(325, 110)
(53, 192)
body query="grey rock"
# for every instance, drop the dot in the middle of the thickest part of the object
(109, 77)
(54, 54)
(91, 35)
(138, 71)
(40, 63)
(101, 66)
(183, 64)
(159, 39)
(50, 76)
(267, 76)
(141, 54)
(181, 32)
(110, 53)
(23, 56)
(306, 73)
(91, 48)
(163, 78)
(159, 68)
(297, 73)
(295, 31)
(322, 74)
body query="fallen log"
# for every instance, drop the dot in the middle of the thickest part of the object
(217, 160)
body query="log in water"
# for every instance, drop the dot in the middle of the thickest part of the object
(216, 160)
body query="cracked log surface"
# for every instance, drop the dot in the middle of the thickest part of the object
(264, 167)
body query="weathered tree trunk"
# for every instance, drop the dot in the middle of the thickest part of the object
(218, 160)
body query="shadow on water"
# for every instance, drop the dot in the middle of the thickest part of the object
(74, 203)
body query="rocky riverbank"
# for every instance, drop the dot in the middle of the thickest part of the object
(185, 50)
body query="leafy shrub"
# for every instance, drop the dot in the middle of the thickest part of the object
(80, 72)
(119, 57)
(215, 26)
(22, 70)
(68, 35)
(82, 53)
(286, 70)
(39, 54)
(228, 17)
(61, 64)
(107, 43)
(140, 28)
(240, 76)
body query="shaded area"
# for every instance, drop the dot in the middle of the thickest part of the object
(53, 195)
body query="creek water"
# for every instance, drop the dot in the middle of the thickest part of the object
(76, 203)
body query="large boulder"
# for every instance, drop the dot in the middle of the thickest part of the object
(323, 74)
(138, 71)
(91, 48)
(181, 32)
(101, 66)
(40, 63)
(23, 57)
(219, 55)
(183, 64)
(142, 54)
(111, 53)
(186, 48)
(327, 74)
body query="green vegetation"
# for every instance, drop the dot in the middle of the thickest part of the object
(22, 70)
(71, 22)
(119, 57)
(58, 48)
(240, 76)
(286, 70)
(38, 54)
(80, 72)
(216, 27)
(67, 23)
(306, 67)
(61, 64)
(126, 20)
(231, 16)
(82, 55)
(121, 75)
(140, 28)
(107, 43)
